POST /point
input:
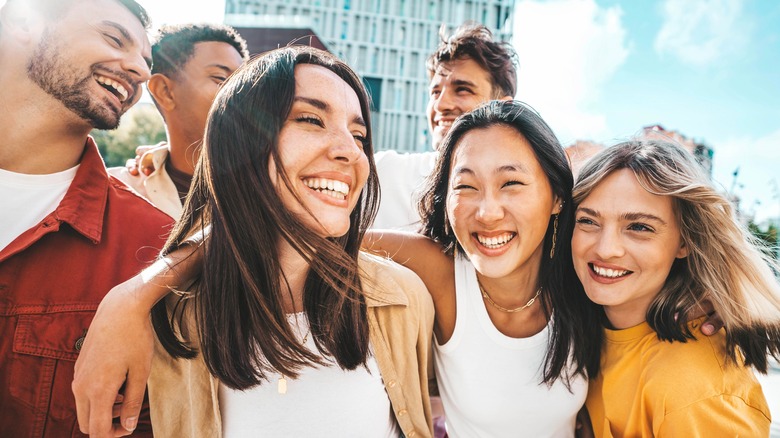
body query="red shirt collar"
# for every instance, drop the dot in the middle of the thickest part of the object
(84, 204)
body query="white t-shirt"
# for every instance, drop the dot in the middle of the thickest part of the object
(321, 402)
(490, 383)
(27, 199)
(401, 177)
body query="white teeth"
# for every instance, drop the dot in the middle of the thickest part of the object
(495, 241)
(611, 273)
(445, 123)
(331, 187)
(113, 84)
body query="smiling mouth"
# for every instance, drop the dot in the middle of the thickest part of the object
(445, 124)
(331, 187)
(112, 86)
(495, 242)
(608, 273)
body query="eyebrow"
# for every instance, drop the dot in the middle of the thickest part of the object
(630, 216)
(224, 68)
(323, 106)
(455, 83)
(126, 35)
(514, 167)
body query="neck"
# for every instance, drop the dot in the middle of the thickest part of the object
(40, 136)
(184, 151)
(515, 288)
(626, 316)
(295, 269)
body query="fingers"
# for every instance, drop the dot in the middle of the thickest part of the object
(82, 410)
(132, 166)
(146, 163)
(133, 401)
(100, 419)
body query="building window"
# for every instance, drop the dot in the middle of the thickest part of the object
(374, 89)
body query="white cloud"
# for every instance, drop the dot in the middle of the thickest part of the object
(568, 49)
(757, 159)
(702, 31)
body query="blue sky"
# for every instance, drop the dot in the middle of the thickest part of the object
(709, 69)
(602, 69)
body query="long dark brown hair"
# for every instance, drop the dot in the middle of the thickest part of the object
(242, 327)
(576, 327)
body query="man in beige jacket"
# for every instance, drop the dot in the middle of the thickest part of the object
(190, 63)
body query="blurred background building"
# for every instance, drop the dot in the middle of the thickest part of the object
(385, 41)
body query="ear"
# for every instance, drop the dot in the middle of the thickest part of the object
(161, 89)
(557, 205)
(683, 251)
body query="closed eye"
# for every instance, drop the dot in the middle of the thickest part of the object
(310, 119)
(513, 183)
(361, 139)
(462, 187)
(116, 41)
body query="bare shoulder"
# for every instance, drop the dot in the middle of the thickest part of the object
(387, 282)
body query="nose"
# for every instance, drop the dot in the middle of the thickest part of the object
(609, 244)
(137, 65)
(490, 209)
(444, 102)
(345, 147)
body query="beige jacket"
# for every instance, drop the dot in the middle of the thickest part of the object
(183, 396)
(158, 187)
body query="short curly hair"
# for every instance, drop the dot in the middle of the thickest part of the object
(174, 45)
(474, 41)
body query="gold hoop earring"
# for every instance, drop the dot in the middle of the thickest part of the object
(554, 236)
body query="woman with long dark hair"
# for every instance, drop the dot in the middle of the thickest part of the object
(287, 329)
(514, 341)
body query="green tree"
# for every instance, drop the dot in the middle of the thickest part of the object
(141, 125)
(768, 236)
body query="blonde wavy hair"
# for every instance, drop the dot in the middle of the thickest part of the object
(726, 264)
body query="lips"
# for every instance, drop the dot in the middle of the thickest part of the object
(608, 273)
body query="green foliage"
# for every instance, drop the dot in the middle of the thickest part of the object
(141, 125)
(769, 236)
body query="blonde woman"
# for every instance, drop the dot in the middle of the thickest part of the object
(653, 238)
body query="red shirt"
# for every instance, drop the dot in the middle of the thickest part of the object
(52, 278)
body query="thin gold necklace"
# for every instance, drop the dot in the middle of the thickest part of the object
(504, 309)
(281, 385)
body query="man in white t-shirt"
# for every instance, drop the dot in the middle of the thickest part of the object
(468, 69)
(67, 234)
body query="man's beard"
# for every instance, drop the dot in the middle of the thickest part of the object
(56, 77)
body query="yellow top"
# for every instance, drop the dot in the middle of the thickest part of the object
(648, 387)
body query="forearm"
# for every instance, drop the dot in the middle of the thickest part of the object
(171, 272)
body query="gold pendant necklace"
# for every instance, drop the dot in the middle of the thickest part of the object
(504, 309)
(281, 384)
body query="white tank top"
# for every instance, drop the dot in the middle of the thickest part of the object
(321, 402)
(491, 384)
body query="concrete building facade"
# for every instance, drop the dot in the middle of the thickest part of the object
(386, 42)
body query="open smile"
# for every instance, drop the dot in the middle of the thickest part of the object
(607, 273)
(114, 87)
(495, 242)
(333, 188)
